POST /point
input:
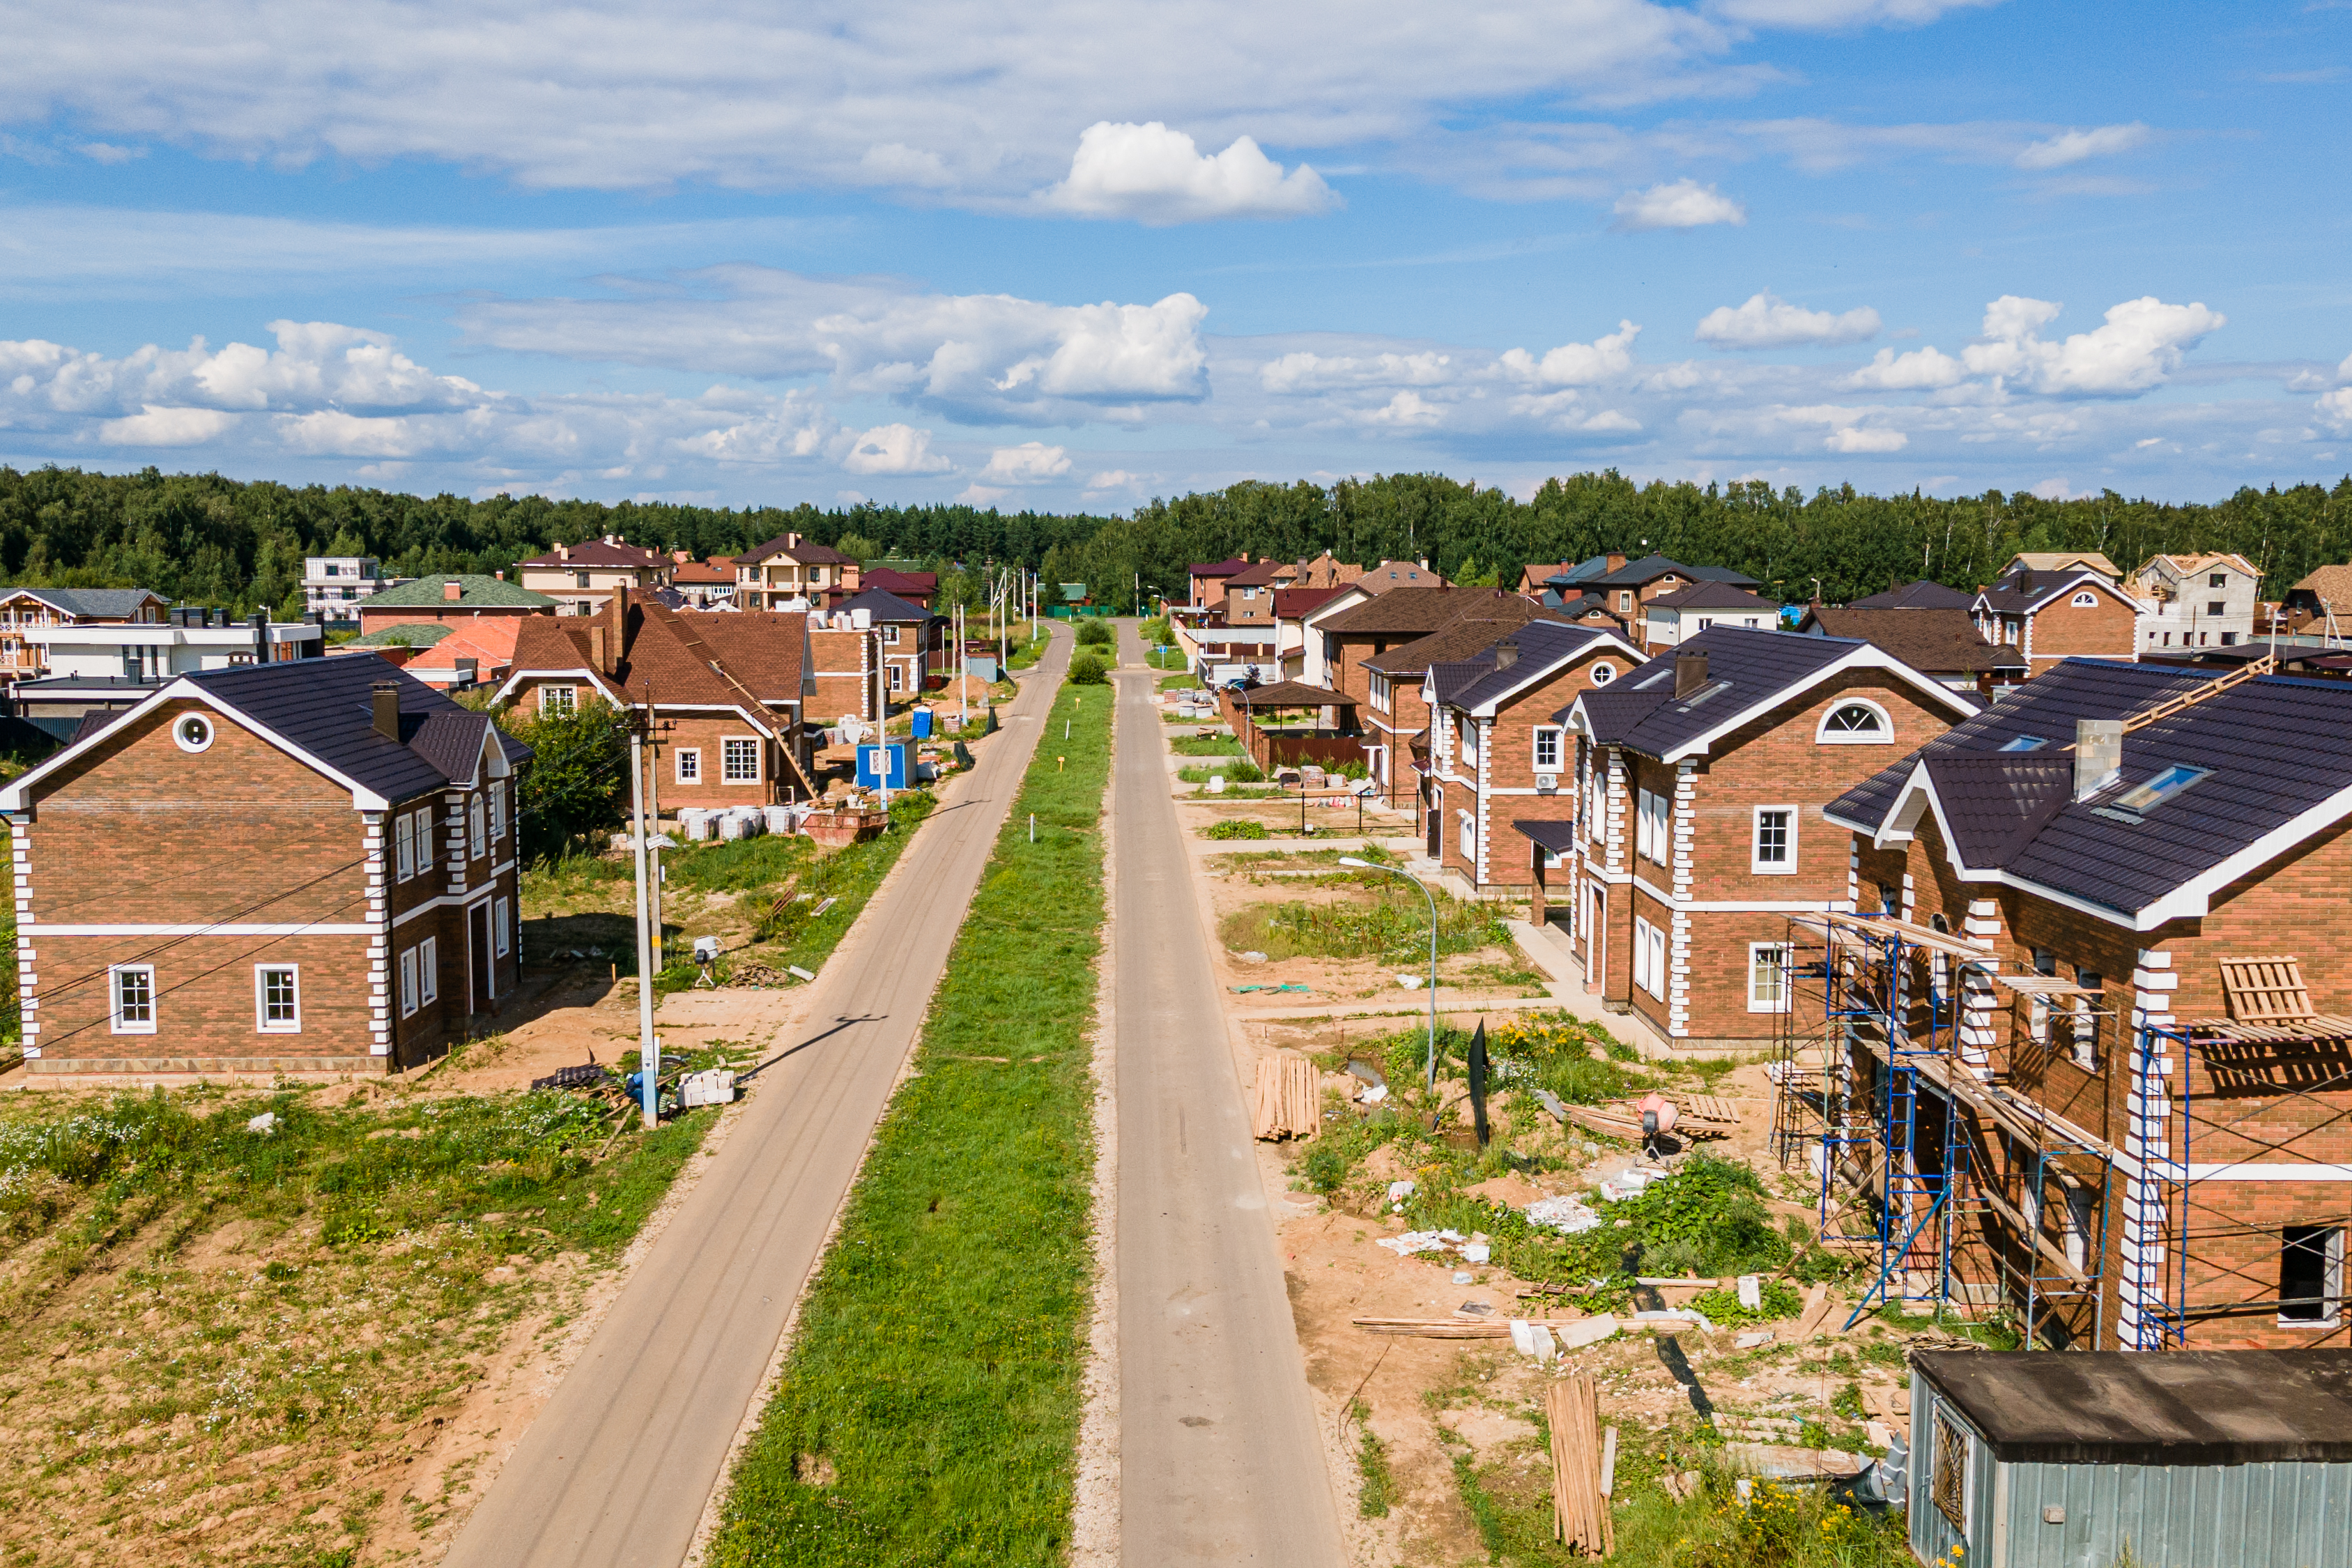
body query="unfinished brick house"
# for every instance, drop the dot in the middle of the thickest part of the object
(913, 640)
(2094, 1064)
(1700, 780)
(303, 867)
(2051, 615)
(730, 693)
(1498, 755)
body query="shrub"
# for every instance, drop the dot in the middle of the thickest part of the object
(1238, 828)
(1085, 669)
(1095, 634)
(1722, 1306)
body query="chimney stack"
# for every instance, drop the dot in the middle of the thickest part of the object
(616, 620)
(1616, 559)
(2098, 756)
(386, 697)
(1690, 672)
(261, 624)
(1506, 653)
(563, 552)
(452, 591)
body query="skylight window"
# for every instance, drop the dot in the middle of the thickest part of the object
(2025, 743)
(1665, 674)
(2171, 781)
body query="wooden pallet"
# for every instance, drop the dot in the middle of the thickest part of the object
(2266, 990)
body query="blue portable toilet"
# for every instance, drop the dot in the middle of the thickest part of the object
(922, 723)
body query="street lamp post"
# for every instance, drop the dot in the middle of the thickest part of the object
(1360, 865)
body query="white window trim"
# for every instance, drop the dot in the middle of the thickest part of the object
(261, 1023)
(1558, 748)
(114, 999)
(498, 809)
(1641, 954)
(569, 704)
(501, 936)
(2085, 600)
(477, 830)
(408, 983)
(1603, 673)
(192, 731)
(678, 763)
(750, 741)
(1754, 951)
(1825, 736)
(2331, 1287)
(1755, 832)
(427, 857)
(428, 970)
(404, 841)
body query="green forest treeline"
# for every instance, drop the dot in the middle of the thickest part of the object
(203, 538)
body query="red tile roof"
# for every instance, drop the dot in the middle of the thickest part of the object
(596, 552)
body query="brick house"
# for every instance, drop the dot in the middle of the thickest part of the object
(2320, 605)
(1498, 755)
(582, 577)
(2051, 615)
(1397, 692)
(1700, 780)
(1586, 609)
(914, 587)
(794, 573)
(703, 584)
(451, 598)
(730, 693)
(1942, 642)
(914, 641)
(846, 670)
(1625, 587)
(1249, 593)
(1347, 642)
(2112, 838)
(303, 867)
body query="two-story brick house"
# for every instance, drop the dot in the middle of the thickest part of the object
(581, 577)
(1700, 780)
(2205, 600)
(1397, 693)
(914, 640)
(729, 694)
(2051, 615)
(303, 868)
(2120, 842)
(1499, 757)
(794, 573)
(1349, 641)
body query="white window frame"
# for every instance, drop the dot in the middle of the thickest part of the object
(477, 830)
(408, 983)
(427, 857)
(1552, 735)
(502, 935)
(727, 743)
(1642, 930)
(498, 809)
(688, 763)
(261, 1021)
(428, 970)
(1883, 736)
(117, 1023)
(2331, 1284)
(1603, 673)
(889, 636)
(897, 676)
(1651, 958)
(1787, 865)
(1768, 961)
(559, 699)
(1654, 834)
(403, 845)
(2085, 600)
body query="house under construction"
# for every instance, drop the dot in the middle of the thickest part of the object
(2075, 1053)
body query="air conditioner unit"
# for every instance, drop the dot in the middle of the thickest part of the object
(1547, 784)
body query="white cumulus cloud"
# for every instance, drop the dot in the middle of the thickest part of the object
(1685, 204)
(1574, 365)
(1030, 463)
(895, 449)
(2141, 343)
(1303, 371)
(1158, 175)
(1918, 370)
(155, 427)
(1767, 321)
(2335, 408)
(2074, 146)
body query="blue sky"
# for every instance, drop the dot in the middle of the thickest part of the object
(1082, 254)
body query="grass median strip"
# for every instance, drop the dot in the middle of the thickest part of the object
(929, 1407)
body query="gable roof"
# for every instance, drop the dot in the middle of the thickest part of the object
(1417, 612)
(1386, 577)
(2198, 561)
(322, 711)
(1939, 641)
(790, 547)
(1650, 568)
(1458, 638)
(2063, 561)
(475, 590)
(489, 641)
(718, 569)
(2025, 593)
(598, 552)
(408, 633)
(2333, 584)
(1923, 595)
(883, 605)
(1749, 672)
(1258, 575)
(1449, 679)
(1220, 568)
(675, 658)
(1292, 603)
(91, 604)
(1544, 646)
(1714, 596)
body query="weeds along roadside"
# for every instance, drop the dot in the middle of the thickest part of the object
(929, 1407)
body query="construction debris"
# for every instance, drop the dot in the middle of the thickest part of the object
(1474, 1328)
(1289, 1103)
(1786, 1462)
(758, 975)
(1579, 1508)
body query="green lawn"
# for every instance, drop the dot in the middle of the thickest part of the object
(929, 1409)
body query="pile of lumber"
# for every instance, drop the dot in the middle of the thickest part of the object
(1288, 1102)
(1700, 1116)
(1458, 1328)
(1579, 1506)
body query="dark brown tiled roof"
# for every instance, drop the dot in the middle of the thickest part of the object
(807, 551)
(1261, 573)
(1459, 639)
(1934, 642)
(1920, 595)
(1289, 603)
(671, 653)
(1714, 596)
(1293, 694)
(1417, 612)
(596, 552)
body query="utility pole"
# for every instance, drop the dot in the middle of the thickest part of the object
(648, 1047)
(963, 674)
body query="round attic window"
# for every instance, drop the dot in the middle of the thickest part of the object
(1602, 674)
(193, 732)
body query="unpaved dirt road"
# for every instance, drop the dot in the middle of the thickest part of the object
(619, 1467)
(1219, 1460)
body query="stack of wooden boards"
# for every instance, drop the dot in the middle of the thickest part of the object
(1580, 1505)
(1288, 1102)
(1700, 1116)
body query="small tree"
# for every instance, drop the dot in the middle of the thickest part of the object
(1085, 669)
(1094, 634)
(577, 781)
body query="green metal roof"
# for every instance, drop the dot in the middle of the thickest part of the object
(415, 634)
(479, 589)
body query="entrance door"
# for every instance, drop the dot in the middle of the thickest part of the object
(479, 986)
(1596, 939)
(1436, 821)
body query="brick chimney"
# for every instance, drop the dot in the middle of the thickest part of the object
(386, 696)
(616, 620)
(452, 592)
(1616, 559)
(1690, 672)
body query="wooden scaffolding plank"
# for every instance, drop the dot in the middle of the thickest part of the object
(2267, 989)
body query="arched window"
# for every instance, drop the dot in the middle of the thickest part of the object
(1856, 722)
(1603, 673)
(2086, 600)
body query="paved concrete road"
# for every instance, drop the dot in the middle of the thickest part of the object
(619, 1464)
(1219, 1457)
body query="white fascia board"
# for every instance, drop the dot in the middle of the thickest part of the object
(2194, 897)
(13, 797)
(1488, 709)
(1862, 655)
(519, 675)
